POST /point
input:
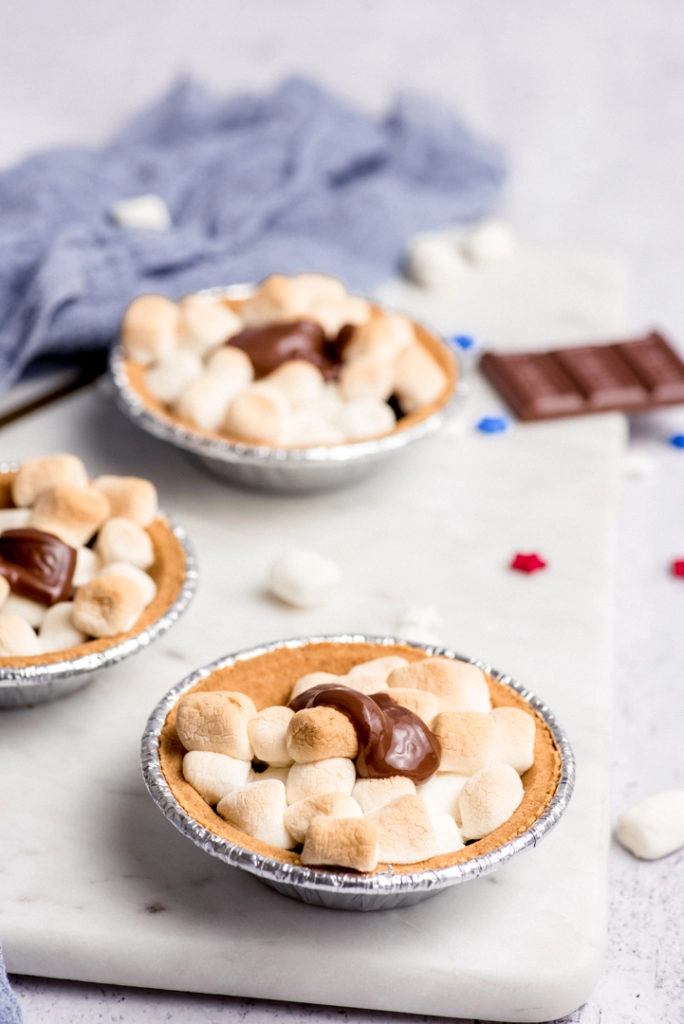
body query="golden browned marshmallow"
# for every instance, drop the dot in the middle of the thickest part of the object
(87, 565)
(515, 735)
(332, 314)
(405, 832)
(4, 590)
(73, 514)
(380, 338)
(130, 497)
(258, 810)
(107, 605)
(268, 733)
(147, 585)
(168, 378)
(205, 322)
(314, 679)
(420, 702)
(468, 740)
(122, 540)
(370, 794)
(342, 842)
(418, 379)
(17, 639)
(150, 328)
(36, 475)
(457, 685)
(377, 669)
(365, 418)
(366, 378)
(299, 381)
(57, 631)
(214, 775)
(318, 733)
(274, 299)
(206, 399)
(334, 775)
(299, 816)
(258, 414)
(216, 721)
(233, 364)
(488, 799)
(311, 288)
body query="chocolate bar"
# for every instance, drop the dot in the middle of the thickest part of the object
(626, 376)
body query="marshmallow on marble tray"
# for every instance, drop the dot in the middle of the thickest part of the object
(150, 328)
(320, 733)
(14, 518)
(258, 810)
(107, 605)
(130, 497)
(441, 793)
(147, 212)
(366, 378)
(122, 540)
(257, 414)
(143, 580)
(654, 827)
(489, 798)
(44, 471)
(205, 323)
(405, 832)
(17, 639)
(87, 566)
(303, 578)
(334, 775)
(447, 833)
(299, 815)
(418, 378)
(4, 590)
(365, 418)
(371, 794)
(168, 378)
(216, 721)
(380, 339)
(214, 775)
(206, 399)
(420, 702)
(308, 428)
(457, 685)
(314, 679)
(300, 382)
(74, 514)
(32, 611)
(434, 262)
(489, 242)
(341, 842)
(268, 735)
(57, 630)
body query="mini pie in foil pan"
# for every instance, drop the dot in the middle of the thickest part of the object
(261, 672)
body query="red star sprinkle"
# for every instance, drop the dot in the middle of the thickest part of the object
(528, 563)
(678, 567)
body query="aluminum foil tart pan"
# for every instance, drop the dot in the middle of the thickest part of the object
(387, 887)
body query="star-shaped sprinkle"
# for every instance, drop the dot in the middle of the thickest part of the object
(492, 424)
(463, 341)
(677, 440)
(677, 567)
(529, 562)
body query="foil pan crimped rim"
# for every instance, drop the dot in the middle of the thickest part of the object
(315, 880)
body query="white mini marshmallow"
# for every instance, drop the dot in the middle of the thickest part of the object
(300, 382)
(418, 378)
(419, 622)
(4, 590)
(205, 323)
(214, 775)
(14, 518)
(32, 611)
(148, 212)
(168, 379)
(488, 798)
(141, 578)
(434, 262)
(366, 378)
(441, 793)
(258, 810)
(303, 578)
(306, 428)
(122, 540)
(57, 631)
(267, 734)
(269, 773)
(257, 414)
(654, 827)
(332, 775)
(365, 418)
(87, 566)
(17, 639)
(233, 364)
(447, 832)
(205, 401)
(489, 242)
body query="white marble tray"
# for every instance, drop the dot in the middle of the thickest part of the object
(94, 883)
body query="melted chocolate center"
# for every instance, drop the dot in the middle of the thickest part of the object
(37, 564)
(271, 346)
(392, 740)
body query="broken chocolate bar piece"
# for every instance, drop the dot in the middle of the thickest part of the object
(626, 376)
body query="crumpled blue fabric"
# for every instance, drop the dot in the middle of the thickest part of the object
(9, 1007)
(294, 180)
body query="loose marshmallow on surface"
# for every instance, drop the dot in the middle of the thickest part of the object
(371, 794)
(216, 721)
(258, 810)
(405, 832)
(334, 775)
(205, 323)
(142, 579)
(303, 578)
(654, 827)
(107, 605)
(36, 475)
(73, 514)
(17, 639)
(57, 631)
(435, 263)
(314, 679)
(418, 378)
(299, 815)
(122, 540)
(206, 399)
(149, 329)
(489, 242)
(32, 611)
(214, 775)
(258, 414)
(87, 566)
(342, 842)
(457, 685)
(168, 378)
(488, 798)
(319, 733)
(147, 212)
(130, 497)
(268, 734)
(365, 418)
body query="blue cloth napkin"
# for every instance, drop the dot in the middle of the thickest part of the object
(294, 180)
(9, 1007)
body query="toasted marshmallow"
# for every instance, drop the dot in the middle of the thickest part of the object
(468, 740)
(377, 669)
(310, 288)
(258, 810)
(306, 428)
(205, 323)
(32, 611)
(233, 364)
(17, 639)
(216, 721)
(168, 378)
(107, 605)
(150, 328)
(147, 212)
(405, 832)
(515, 737)
(365, 418)
(420, 702)
(87, 566)
(122, 540)
(314, 679)
(303, 578)
(257, 414)
(205, 401)
(130, 497)
(314, 734)
(14, 518)
(654, 827)
(300, 382)
(418, 379)
(268, 733)
(441, 793)
(299, 816)
(4, 590)
(488, 798)
(333, 314)
(366, 378)
(342, 842)
(274, 299)
(434, 262)
(148, 587)
(448, 834)
(371, 794)
(57, 630)
(457, 685)
(335, 775)
(73, 514)
(37, 475)
(489, 242)
(380, 339)
(214, 775)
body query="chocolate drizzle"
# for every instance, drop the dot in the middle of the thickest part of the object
(392, 739)
(271, 346)
(37, 564)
